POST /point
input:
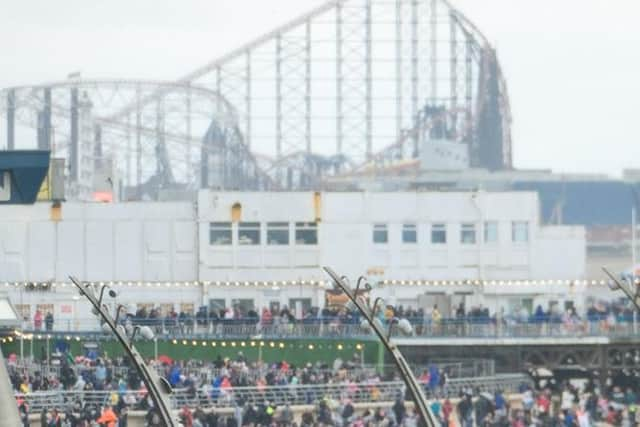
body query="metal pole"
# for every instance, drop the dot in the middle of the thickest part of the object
(398, 59)
(633, 241)
(11, 114)
(158, 388)
(8, 406)
(279, 97)
(631, 291)
(409, 379)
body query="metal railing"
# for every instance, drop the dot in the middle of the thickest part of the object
(279, 395)
(207, 372)
(446, 328)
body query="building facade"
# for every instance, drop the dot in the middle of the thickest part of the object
(390, 236)
(258, 250)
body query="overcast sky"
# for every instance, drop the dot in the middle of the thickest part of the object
(572, 66)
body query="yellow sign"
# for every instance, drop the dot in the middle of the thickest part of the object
(45, 188)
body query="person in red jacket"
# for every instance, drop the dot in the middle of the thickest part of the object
(186, 417)
(108, 417)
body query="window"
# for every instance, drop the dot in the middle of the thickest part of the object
(468, 234)
(520, 231)
(439, 233)
(380, 233)
(220, 233)
(187, 308)
(490, 231)
(249, 233)
(242, 306)
(277, 233)
(409, 233)
(299, 306)
(166, 308)
(147, 307)
(306, 233)
(217, 305)
(45, 308)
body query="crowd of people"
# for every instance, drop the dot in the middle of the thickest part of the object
(564, 406)
(459, 320)
(222, 381)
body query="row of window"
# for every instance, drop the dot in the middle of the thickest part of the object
(519, 233)
(306, 233)
(250, 233)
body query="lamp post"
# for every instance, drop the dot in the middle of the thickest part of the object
(8, 406)
(368, 313)
(630, 289)
(157, 387)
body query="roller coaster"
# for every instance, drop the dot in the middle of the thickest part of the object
(353, 86)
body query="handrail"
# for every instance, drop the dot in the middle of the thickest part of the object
(211, 397)
(426, 328)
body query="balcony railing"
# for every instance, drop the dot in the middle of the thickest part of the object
(279, 395)
(334, 328)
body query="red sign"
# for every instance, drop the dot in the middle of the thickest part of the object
(66, 309)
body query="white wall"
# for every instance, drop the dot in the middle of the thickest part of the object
(560, 252)
(169, 242)
(346, 228)
(129, 241)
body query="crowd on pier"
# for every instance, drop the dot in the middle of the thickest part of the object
(207, 382)
(459, 320)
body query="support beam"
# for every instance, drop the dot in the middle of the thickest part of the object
(414, 75)
(189, 165)
(307, 94)
(398, 56)
(11, 119)
(248, 100)
(8, 406)
(44, 122)
(278, 96)
(138, 143)
(128, 175)
(468, 100)
(339, 80)
(74, 140)
(368, 60)
(453, 67)
(433, 57)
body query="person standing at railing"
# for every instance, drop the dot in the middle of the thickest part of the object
(48, 320)
(37, 320)
(186, 418)
(23, 410)
(460, 319)
(436, 319)
(447, 410)
(539, 318)
(465, 411)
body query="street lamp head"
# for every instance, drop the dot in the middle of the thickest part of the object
(613, 285)
(166, 386)
(146, 333)
(405, 327)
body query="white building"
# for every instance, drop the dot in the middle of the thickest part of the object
(266, 249)
(401, 236)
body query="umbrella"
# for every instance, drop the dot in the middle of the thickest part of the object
(163, 358)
